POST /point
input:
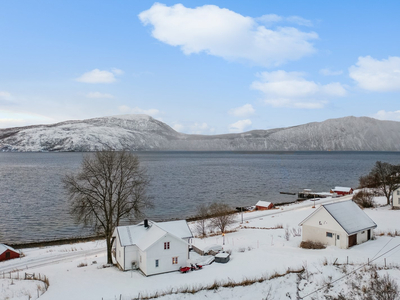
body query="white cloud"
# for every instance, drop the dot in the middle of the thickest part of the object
(290, 89)
(299, 21)
(99, 95)
(117, 71)
(242, 111)
(224, 33)
(201, 128)
(98, 76)
(269, 19)
(178, 127)
(329, 72)
(5, 95)
(10, 118)
(388, 115)
(377, 75)
(240, 126)
(136, 110)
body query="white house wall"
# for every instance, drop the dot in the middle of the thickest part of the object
(178, 248)
(142, 257)
(131, 255)
(396, 198)
(316, 227)
(119, 253)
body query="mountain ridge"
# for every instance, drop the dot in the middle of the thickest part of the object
(142, 132)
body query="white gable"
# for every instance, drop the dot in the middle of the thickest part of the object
(263, 203)
(349, 216)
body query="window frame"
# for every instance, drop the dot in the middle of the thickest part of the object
(167, 245)
(175, 260)
(157, 263)
(329, 234)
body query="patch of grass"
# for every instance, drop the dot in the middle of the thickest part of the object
(312, 245)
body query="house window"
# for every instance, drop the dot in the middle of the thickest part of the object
(337, 237)
(7, 254)
(398, 201)
(166, 245)
(157, 261)
(398, 192)
(175, 260)
(329, 234)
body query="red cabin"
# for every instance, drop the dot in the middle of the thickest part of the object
(341, 191)
(264, 205)
(6, 252)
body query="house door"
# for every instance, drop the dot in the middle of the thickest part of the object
(352, 240)
(369, 234)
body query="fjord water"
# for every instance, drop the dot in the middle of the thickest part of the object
(34, 206)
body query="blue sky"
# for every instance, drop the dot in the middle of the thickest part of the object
(201, 67)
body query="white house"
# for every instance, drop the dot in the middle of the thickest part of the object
(396, 198)
(341, 224)
(152, 247)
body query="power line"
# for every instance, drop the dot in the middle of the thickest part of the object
(355, 270)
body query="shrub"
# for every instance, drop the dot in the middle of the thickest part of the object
(82, 265)
(364, 199)
(312, 245)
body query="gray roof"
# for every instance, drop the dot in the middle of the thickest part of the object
(349, 216)
(144, 237)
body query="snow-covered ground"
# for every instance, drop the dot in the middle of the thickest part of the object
(256, 253)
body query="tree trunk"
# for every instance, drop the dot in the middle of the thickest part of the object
(109, 248)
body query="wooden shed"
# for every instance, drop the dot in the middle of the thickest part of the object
(6, 252)
(264, 205)
(342, 191)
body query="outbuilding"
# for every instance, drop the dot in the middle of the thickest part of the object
(396, 198)
(152, 247)
(342, 224)
(264, 205)
(342, 191)
(7, 252)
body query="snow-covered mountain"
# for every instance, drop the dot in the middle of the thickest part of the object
(141, 132)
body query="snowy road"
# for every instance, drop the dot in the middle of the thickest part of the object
(26, 263)
(305, 204)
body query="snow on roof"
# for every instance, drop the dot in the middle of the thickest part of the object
(222, 255)
(341, 189)
(144, 237)
(179, 228)
(4, 248)
(263, 203)
(349, 216)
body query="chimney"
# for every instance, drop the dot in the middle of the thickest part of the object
(146, 223)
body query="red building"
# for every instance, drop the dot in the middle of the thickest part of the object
(264, 205)
(7, 252)
(341, 191)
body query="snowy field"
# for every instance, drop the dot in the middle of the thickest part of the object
(256, 254)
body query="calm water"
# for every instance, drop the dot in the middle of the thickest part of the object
(33, 205)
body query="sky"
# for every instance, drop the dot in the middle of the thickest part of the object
(201, 67)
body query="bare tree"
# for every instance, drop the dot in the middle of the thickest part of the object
(109, 187)
(202, 213)
(221, 216)
(383, 176)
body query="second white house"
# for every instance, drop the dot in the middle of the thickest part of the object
(341, 224)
